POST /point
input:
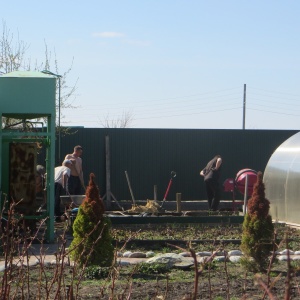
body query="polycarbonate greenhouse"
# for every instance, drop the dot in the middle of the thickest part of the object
(282, 181)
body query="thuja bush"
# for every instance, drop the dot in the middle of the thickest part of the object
(92, 242)
(258, 229)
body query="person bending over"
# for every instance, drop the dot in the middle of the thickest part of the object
(211, 174)
(61, 176)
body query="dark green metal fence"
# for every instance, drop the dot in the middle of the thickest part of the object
(149, 155)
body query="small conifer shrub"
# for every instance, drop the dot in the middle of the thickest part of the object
(92, 242)
(258, 229)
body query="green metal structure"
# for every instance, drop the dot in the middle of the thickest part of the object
(28, 96)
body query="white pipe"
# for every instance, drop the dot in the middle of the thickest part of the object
(245, 195)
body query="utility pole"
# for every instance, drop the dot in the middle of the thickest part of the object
(244, 107)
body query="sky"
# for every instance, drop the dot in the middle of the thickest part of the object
(169, 63)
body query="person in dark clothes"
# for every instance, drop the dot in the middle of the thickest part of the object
(211, 174)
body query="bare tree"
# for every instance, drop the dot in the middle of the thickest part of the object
(12, 51)
(67, 90)
(13, 58)
(123, 121)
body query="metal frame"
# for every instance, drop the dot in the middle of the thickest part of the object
(48, 140)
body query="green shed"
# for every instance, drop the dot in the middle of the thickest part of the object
(29, 98)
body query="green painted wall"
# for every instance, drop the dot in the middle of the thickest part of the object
(26, 93)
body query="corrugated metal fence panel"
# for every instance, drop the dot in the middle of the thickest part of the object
(149, 156)
(93, 142)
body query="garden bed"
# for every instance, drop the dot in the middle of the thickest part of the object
(217, 280)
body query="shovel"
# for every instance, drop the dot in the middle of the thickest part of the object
(173, 175)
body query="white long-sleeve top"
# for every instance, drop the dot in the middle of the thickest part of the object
(60, 173)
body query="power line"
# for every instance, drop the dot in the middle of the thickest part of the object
(186, 114)
(160, 101)
(275, 102)
(272, 96)
(194, 104)
(275, 92)
(274, 107)
(168, 115)
(173, 109)
(273, 112)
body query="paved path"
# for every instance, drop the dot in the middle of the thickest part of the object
(49, 253)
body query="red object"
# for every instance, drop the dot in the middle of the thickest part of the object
(240, 180)
(173, 174)
(168, 188)
(229, 185)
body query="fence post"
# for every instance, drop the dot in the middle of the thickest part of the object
(178, 202)
(155, 192)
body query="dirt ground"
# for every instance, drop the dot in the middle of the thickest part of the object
(217, 287)
(219, 282)
(184, 290)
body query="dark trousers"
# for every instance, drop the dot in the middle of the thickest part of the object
(59, 191)
(213, 193)
(74, 185)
